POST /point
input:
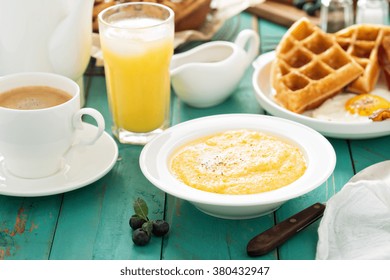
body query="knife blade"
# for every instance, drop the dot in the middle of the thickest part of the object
(268, 240)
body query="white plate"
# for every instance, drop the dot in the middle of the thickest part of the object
(263, 91)
(82, 166)
(319, 153)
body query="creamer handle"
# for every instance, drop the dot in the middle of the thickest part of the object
(249, 41)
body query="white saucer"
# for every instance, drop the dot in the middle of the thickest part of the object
(82, 166)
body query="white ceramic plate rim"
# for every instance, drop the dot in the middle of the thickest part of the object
(319, 153)
(333, 129)
(98, 158)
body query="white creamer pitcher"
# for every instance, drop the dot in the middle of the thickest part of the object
(207, 74)
(46, 36)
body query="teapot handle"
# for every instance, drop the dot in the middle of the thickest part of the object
(249, 41)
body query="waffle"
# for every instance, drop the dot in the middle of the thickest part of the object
(189, 14)
(310, 67)
(384, 58)
(362, 42)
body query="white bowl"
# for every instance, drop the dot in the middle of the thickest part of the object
(319, 154)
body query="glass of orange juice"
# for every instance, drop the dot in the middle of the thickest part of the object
(137, 44)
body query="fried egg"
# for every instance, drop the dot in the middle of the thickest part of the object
(349, 107)
(366, 104)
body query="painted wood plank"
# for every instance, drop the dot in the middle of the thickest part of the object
(199, 236)
(27, 226)
(93, 222)
(369, 152)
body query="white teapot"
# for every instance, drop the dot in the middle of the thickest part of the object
(207, 74)
(46, 36)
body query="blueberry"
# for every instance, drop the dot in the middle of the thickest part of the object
(160, 227)
(140, 237)
(136, 222)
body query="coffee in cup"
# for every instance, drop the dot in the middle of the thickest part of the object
(39, 116)
(33, 98)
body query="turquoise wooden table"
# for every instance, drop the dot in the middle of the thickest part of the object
(92, 222)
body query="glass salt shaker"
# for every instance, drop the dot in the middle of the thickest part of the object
(372, 11)
(336, 15)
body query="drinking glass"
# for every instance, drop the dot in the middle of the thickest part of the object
(137, 45)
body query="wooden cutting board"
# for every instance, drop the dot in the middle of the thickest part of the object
(281, 12)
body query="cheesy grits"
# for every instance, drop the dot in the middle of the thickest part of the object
(238, 162)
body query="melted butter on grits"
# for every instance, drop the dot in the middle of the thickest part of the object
(238, 162)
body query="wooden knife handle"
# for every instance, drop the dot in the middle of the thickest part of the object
(278, 234)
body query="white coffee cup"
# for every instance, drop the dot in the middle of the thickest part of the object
(34, 142)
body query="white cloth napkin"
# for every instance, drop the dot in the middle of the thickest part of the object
(356, 222)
